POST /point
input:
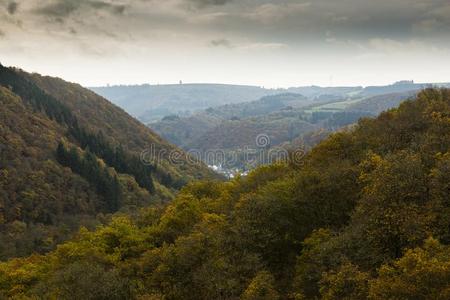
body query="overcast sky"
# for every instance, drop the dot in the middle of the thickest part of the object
(259, 42)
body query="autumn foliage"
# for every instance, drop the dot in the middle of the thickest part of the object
(364, 215)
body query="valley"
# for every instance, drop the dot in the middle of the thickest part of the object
(290, 118)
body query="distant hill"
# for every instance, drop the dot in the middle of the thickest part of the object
(237, 134)
(187, 131)
(150, 103)
(284, 119)
(263, 106)
(317, 91)
(68, 157)
(380, 103)
(288, 118)
(398, 87)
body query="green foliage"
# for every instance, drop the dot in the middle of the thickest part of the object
(179, 218)
(34, 96)
(41, 203)
(267, 224)
(396, 198)
(48, 192)
(347, 283)
(261, 288)
(353, 221)
(440, 196)
(318, 256)
(89, 167)
(86, 280)
(41, 101)
(422, 273)
(117, 157)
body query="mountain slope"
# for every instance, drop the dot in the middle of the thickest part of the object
(380, 103)
(68, 155)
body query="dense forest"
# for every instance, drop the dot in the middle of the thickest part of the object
(364, 215)
(68, 158)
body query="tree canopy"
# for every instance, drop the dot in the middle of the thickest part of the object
(364, 215)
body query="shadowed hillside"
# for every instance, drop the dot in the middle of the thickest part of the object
(68, 157)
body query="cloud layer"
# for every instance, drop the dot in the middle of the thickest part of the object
(107, 28)
(250, 19)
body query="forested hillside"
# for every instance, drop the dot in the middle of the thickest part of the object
(187, 132)
(68, 158)
(364, 215)
(286, 119)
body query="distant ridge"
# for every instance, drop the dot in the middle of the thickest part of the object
(151, 102)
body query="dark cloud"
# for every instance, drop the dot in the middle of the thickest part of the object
(297, 36)
(64, 8)
(303, 21)
(115, 8)
(120, 9)
(264, 21)
(205, 3)
(59, 9)
(12, 7)
(221, 43)
(211, 2)
(295, 23)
